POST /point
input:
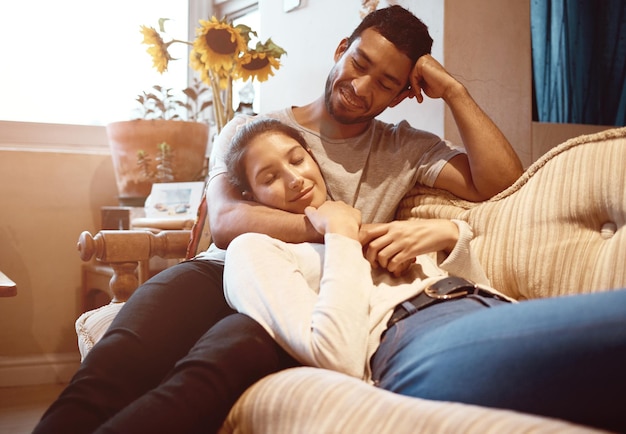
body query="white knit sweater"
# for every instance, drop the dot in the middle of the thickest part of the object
(323, 303)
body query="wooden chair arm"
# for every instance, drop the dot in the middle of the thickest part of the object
(124, 250)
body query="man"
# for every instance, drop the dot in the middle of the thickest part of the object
(176, 357)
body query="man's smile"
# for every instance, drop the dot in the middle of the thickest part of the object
(350, 100)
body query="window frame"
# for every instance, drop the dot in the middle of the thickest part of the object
(233, 9)
(51, 137)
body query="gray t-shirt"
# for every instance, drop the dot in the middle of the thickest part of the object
(371, 172)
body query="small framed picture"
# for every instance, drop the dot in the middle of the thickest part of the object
(176, 200)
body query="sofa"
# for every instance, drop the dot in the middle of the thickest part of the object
(558, 230)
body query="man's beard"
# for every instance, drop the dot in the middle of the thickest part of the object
(342, 119)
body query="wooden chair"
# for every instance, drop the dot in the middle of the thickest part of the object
(128, 251)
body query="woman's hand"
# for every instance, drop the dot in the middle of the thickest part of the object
(335, 217)
(395, 245)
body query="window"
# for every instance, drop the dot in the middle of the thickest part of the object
(79, 62)
(233, 9)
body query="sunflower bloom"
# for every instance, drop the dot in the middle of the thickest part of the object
(157, 48)
(218, 44)
(224, 78)
(259, 67)
(220, 54)
(197, 64)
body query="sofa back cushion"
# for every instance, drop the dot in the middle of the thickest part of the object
(558, 230)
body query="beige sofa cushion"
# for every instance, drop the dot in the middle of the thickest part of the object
(558, 230)
(312, 400)
(91, 325)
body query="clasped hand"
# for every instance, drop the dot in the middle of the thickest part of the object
(393, 246)
(335, 217)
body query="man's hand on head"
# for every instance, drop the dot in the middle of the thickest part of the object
(431, 78)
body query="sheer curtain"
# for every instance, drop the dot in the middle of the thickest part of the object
(579, 61)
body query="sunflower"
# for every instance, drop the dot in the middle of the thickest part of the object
(208, 73)
(261, 61)
(218, 45)
(220, 54)
(157, 48)
(197, 64)
(259, 66)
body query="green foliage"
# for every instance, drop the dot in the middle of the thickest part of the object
(162, 103)
(163, 171)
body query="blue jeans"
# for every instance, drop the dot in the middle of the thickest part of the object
(560, 357)
(175, 359)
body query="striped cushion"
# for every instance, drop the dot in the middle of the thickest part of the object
(91, 325)
(312, 400)
(558, 230)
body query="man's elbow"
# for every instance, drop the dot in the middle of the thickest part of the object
(221, 236)
(491, 189)
(221, 230)
(219, 241)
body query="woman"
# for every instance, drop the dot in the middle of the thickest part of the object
(431, 331)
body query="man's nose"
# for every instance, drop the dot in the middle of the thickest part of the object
(360, 85)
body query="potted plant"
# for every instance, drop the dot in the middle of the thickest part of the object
(219, 54)
(168, 143)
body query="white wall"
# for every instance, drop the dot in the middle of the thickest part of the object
(53, 181)
(310, 35)
(488, 49)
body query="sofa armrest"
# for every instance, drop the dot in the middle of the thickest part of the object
(125, 250)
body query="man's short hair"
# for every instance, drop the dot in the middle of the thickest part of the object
(400, 27)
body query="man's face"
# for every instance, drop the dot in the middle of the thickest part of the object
(366, 78)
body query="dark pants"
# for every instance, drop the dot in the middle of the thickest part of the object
(175, 359)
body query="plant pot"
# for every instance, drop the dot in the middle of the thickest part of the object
(188, 142)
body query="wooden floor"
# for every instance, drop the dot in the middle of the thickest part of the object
(21, 407)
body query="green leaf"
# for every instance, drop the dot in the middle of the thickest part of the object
(162, 24)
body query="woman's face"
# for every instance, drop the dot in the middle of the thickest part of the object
(282, 174)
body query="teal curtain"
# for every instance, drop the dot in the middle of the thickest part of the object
(579, 61)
